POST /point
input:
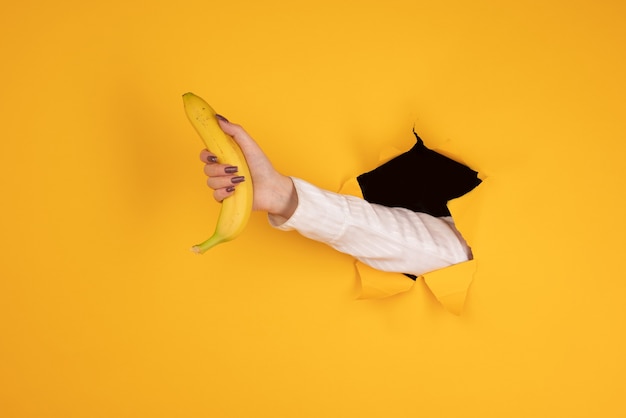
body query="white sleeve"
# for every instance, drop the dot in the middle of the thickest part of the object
(388, 239)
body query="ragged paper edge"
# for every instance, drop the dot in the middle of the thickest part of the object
(376, 284)
(449, 285)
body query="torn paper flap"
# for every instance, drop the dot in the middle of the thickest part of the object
(451, 284)
(376, 284)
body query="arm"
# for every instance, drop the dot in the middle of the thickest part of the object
(388, 239)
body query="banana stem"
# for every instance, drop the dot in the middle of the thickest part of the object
(207, 245)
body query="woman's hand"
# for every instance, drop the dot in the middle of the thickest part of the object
(274, 193)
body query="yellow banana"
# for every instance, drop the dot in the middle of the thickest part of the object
(236, 209)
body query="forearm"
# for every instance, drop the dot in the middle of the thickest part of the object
(388, 239)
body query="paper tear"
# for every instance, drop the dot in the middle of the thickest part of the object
(351, 187)
(387, 154)
(449, 285)
(376, 284)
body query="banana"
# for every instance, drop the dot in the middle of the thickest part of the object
(235, 211)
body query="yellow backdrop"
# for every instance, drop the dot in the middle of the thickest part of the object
(104, 311)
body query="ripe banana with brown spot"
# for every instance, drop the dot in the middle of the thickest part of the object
(235, 211)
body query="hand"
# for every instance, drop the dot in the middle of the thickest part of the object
(274, 193)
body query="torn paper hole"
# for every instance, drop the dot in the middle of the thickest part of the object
(449, 285)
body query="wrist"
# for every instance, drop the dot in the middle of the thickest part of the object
(285, 200)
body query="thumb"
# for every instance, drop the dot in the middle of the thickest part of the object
(250, 148)
(237, 132)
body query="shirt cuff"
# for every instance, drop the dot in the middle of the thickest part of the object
(320, 214)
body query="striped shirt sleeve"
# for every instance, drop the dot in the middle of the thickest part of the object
(387, 239)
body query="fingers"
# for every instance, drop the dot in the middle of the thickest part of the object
(221, 194)
(222, 178)
(207, 157)
(224, 182)
(216, 170)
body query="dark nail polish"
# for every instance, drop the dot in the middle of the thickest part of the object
(237, 179)
(230, 170)
(230, 189)
(212, 159)
(220, 117)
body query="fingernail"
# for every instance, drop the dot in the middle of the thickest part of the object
(212, 159)
(237, 179)
(220, 117)
(230, 170)
(230, 189)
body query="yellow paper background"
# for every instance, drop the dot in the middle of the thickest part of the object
(104, 312)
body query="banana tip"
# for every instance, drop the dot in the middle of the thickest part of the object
(196, 250)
